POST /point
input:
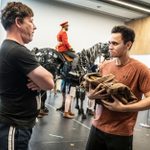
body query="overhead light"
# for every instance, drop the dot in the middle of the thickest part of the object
(130, 5)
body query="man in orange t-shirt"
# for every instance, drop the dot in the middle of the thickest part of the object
(113, 130)
(63, 44)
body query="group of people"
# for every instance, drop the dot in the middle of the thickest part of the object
(22, 78)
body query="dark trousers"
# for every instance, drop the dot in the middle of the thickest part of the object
(99, 140)
(12, 138)
(70, 54)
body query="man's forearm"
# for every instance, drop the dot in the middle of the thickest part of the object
(143, 104)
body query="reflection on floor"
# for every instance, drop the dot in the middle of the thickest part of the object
(53, 132)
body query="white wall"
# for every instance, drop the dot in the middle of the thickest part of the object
(86, 27)
(143, 58)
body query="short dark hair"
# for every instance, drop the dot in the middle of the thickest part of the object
(127, 33)
(13, 10)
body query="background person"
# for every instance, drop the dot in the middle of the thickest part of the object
(63, 44)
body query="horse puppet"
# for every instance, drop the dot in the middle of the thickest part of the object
(74, 71)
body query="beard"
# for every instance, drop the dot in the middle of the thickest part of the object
(66, 28)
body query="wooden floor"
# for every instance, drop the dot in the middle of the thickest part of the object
(53, 132)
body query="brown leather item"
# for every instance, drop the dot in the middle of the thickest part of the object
(110, 86)
(95, 79)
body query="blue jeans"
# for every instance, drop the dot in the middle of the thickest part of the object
(13, 138)
(65, 86)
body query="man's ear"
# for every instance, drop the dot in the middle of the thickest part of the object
(129, 44)
(18, 22)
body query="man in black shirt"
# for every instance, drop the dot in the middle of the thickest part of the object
(21, 76)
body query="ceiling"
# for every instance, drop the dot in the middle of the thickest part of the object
(124, 9)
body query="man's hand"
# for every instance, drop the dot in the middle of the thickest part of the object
(97, 93)
(114, 106)
(32, 86)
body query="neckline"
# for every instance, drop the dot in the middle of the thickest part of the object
(124, 64)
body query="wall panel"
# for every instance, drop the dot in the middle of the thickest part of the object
(142, 40)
